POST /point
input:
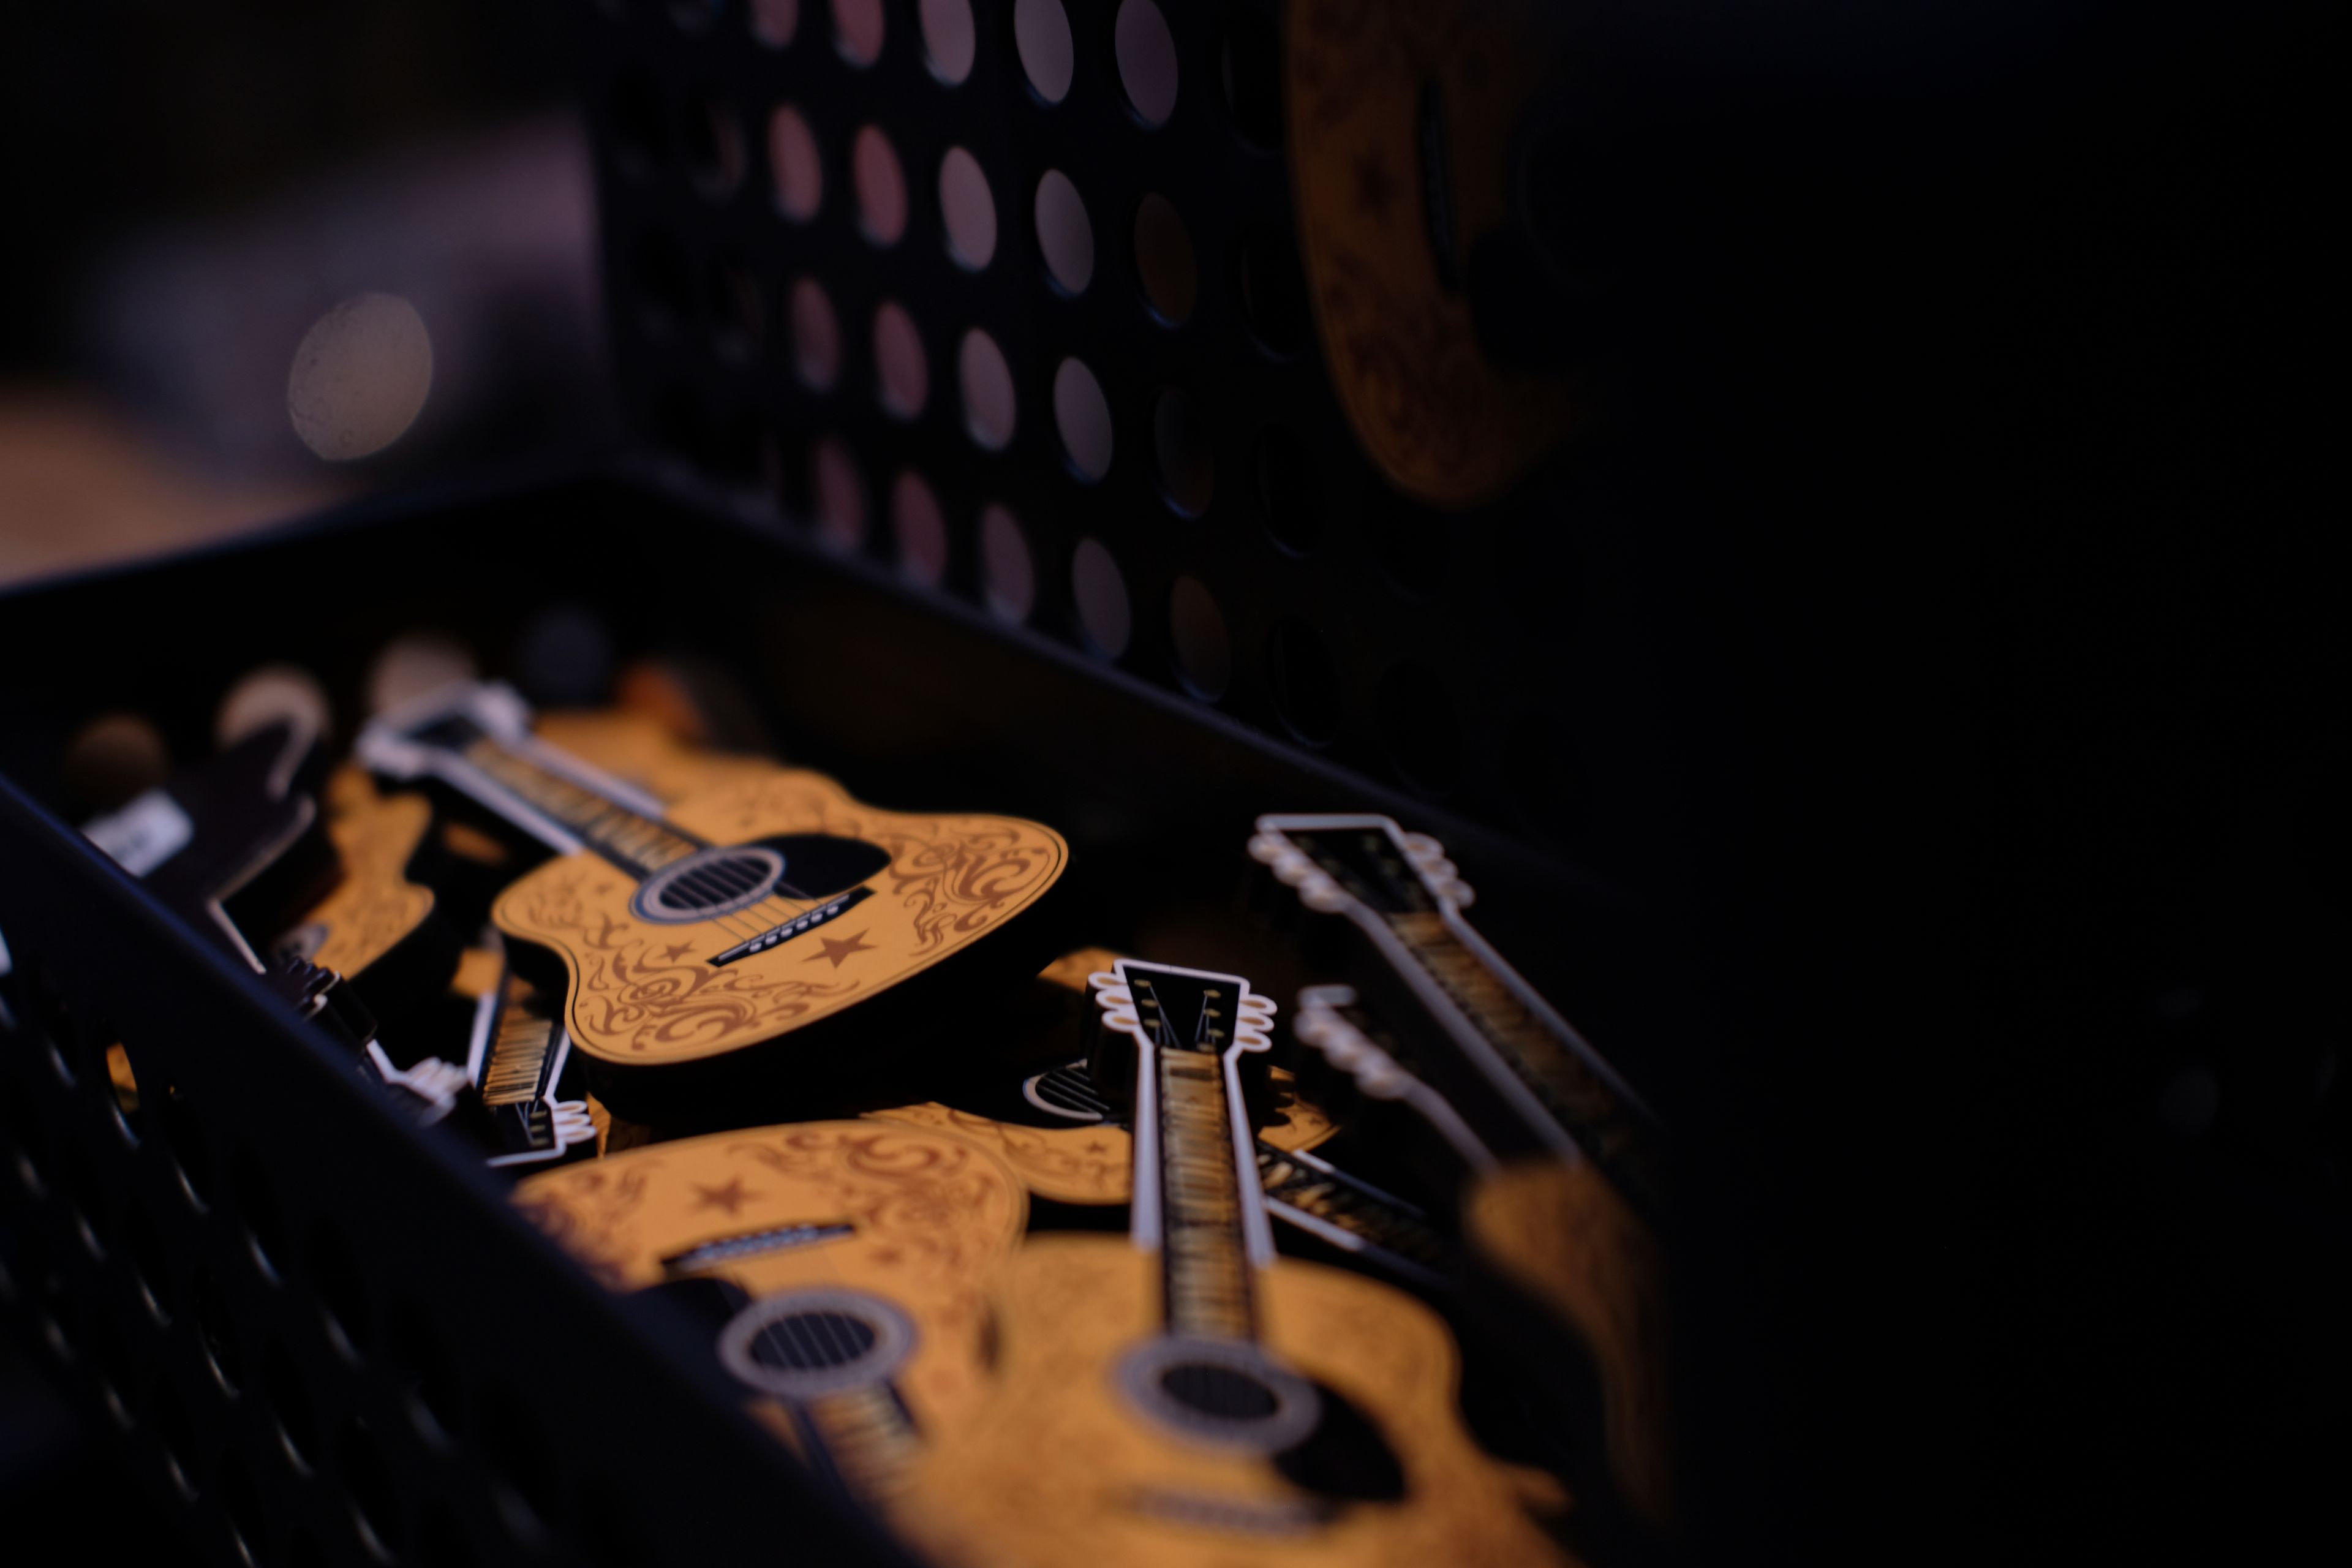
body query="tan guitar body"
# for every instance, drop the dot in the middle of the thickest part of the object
(1561, 1233)
(1058, 1471)
(1093, 1164)
(641, 993)
(375, 908)
(931, 1217)
(645, 752)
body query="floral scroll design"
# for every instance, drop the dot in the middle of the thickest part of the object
(642, 990)
(933, 1211)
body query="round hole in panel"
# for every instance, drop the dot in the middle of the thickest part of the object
(1305, 684)
(563, 656)
(122, 1091)
(738, 316)
(795, 165)
(774, 22)
(1196, 630)
(32, 1154)
(1284, 497)
(919, 529)
(640, 135)
(1041, 35)
(949, 40)
(881, 186)
(144, 1250)
(711, 137)
(967, 209)
(342, 1293)
(1163, 260)
(989, 407)
(817, 336)
(256, 1206)
(289, 1407)
(519, 1455)
(858, 31)
(836, 495)
(1008, 578)
(440, 1541)
(1273, 295)
(424, 1370)
(216, 1333)
(1543, 778)
(1249, 64)
(413, 664)
(1409, 543)
(617, 1537)
(1100, 592)
(367, 1482)
(110, 1367)
(1418, 726)
(665, 288)
(178, 1435)
(111, 761)
(902, 381)
(1146, 60)
(1082, 415)
(1187, 462)
(1065, 237)
(190, 1154)
(246, 1520)
(85, 1201)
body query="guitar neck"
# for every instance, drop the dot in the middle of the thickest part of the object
(535, 792)
(1573, 1100)
(1196, 1178)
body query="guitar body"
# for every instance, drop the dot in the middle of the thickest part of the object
(1059, 1471)
(1069, 1159)
(376, 923)
(644, 992)
(1561, 1234)
(645, 751)
(1093, 1163)
(917, 1218)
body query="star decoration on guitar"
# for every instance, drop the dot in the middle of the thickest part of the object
(677, 951)
(836, 950)
(730, 1197)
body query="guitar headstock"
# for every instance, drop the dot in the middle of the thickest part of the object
(404, 740)
(1142, 1006)
(1361, 861)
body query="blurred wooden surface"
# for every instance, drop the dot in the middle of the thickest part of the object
(81, 486)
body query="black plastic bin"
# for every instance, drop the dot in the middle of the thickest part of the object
(317, 1330)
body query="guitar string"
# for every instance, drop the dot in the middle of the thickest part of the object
(610, 818)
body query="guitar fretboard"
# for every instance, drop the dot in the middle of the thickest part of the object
(634, 842)
(866, 1435)
(518, 1058)
(1584, 1105)
(1204, 1255)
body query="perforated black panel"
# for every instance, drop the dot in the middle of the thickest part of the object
(1263, 567)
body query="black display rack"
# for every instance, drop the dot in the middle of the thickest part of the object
(321, 1335)
(318, 1332)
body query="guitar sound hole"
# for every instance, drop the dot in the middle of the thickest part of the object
(709, 884)
(799, 1344)
(1219, 1391)
(808, 1341)
(1222, 1391)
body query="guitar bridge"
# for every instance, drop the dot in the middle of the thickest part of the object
(792, 927)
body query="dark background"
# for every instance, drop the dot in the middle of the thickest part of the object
(1990, 343)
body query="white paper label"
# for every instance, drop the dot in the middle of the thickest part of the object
(144, 833)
